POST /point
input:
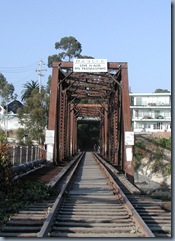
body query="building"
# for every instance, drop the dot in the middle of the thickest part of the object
(8, 116)
(151, 112)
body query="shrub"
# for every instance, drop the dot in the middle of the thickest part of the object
(139, 153)
(5, 168)
(23, 193)
(167, 169)
(165, 143)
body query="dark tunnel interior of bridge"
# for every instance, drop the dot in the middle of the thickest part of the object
(88, 135)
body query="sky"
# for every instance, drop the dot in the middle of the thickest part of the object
(134, 31)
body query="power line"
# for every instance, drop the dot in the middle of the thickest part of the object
(19, 69)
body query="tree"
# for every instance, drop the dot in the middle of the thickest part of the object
(6, 90)
(48, 85)
(53, 58)
(28, 88)
(5, 166)
(88, 134)
(85, 57)
(34, 115)
(161, 91)
(71, 48)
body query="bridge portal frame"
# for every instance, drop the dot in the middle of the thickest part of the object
(115, 116)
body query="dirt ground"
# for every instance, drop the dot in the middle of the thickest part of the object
(161, 134)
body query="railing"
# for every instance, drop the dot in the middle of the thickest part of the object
(23, 154)
(152, 118)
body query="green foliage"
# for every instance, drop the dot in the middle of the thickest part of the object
(165, 143)
(5, 168)
(23, 137)
(48, 85)
(161, 91)
(20, 134)
(167, 169)
(70, 48)
(88, 135)
(138, 153)
(85, 57)
(28, 88)
(155, 154)
(53, 58)
(21, 195)
(158, 155)
(6, 90)
(34, 115)
(157, 163)
(2, 136)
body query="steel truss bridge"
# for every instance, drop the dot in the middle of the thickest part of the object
(107, 94)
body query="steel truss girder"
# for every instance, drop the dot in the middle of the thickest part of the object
(111, 90)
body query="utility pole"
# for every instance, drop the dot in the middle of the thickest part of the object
(40, 75)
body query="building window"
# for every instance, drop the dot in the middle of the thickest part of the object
(141, 101)
(138, 125)
(157, 126)
(148, 126)
(167, 114)
(157, 113)
(136, 113)
(138, 101)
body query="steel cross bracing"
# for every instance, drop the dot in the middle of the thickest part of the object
(107, 96)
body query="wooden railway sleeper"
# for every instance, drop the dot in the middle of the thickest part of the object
(144, 205)
(118, 231)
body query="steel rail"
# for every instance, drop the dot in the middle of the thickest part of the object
(90, 209)
(140, 224)
(48, 222)
(154, 212)
(145, 229)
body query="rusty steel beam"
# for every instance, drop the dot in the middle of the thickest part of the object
(53, 99)
(53, 111)
(110, 65)
(115, 130)
(111, 90)
(127, 164)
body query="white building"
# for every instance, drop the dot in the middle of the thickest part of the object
(8, 116)
(151, 112)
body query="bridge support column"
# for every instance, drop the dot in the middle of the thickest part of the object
(74, 135)
(105, 132)
(53, 115)
(127, 161)
(73, 132)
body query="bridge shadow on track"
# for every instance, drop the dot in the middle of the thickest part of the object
(46, 173)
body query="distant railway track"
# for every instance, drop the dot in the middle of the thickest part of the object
(91, 203)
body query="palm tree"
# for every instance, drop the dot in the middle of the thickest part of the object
(28, 88)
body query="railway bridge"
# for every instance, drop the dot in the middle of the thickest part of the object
(92, 198)
(85, 96)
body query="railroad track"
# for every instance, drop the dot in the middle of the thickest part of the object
(155, 213)
(89, 204)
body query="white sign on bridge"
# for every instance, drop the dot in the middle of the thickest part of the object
(90, 65)
(49, 137)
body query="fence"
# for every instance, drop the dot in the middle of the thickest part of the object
(23, 154)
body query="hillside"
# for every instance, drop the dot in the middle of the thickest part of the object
(152, 163)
